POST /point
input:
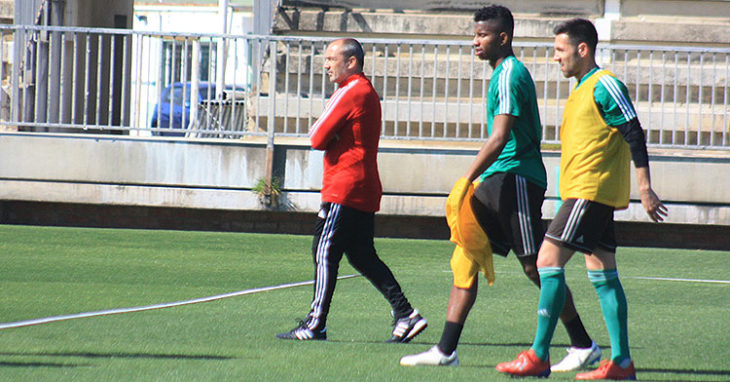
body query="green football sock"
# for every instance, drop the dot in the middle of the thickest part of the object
(615, 311)
(552, 299)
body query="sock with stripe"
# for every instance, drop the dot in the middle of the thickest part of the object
(552, 299)
(615, 311)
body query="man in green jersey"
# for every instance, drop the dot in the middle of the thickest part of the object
(508, 201)
(599, 134)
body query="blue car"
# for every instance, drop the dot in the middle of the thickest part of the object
(168, 114)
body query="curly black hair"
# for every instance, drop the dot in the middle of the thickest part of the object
(498, 13)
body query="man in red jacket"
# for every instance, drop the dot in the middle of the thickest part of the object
(348, 131)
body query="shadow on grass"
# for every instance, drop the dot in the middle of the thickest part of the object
(417, 342)
(526, 345)
(120, 355)
(41, 364)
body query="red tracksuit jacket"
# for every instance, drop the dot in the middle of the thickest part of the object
(349, 132)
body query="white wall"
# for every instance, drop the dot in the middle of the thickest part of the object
(219, 175)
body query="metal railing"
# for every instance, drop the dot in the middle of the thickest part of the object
(145, 84)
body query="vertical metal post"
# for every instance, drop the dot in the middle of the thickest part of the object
(208, 114)
(650, 98)
(447, 75)
(221, 56)
(3, 97)
(125, 102)
(271, 121)
(74, 77)
(19, 36)
(194, 89)
(57, 10)
(661, 98)
(423, 90)
(173, 55)
(385, 88)
(726, 102)
(433, 90)
(311, 86)
(545, 83)
(112, 74)
(299, 85)
(410, 89)
(700, 85)
(99, 75)
(397, 91)
(286, 86)
(471, 92)
(483, 120)
(51, 82)
(712, 100)
(457, 130)
(184, 80)
(62, 82)
(687, 98)
(232, 120)
(136, 115)
(39, 99)
(87, 79)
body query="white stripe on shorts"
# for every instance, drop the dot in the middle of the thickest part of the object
(574, 219)
(523, 212)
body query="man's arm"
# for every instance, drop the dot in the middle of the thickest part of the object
(330, 122)
(501, 128)
(649, 199)
(634, 136)
(617, 109)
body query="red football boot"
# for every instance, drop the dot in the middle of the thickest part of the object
(610, 370)
(527, 364)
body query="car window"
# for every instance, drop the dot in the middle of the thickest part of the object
(176, 94)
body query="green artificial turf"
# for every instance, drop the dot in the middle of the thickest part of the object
(678, 329)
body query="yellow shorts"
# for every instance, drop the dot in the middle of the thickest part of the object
(464, 268)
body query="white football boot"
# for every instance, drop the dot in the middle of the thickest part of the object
(578, 358)
(431, 357)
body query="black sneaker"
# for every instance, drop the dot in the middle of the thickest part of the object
(404, 329)
(303, 333)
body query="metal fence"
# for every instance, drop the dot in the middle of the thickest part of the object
(228, 86)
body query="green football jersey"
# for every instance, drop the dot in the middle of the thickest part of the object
(512, 91)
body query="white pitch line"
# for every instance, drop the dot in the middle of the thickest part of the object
(677, 279)
(38, 321)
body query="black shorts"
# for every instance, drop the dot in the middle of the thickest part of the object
(583, 225)
(509, 209)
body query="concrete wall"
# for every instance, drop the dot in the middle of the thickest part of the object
(219, 176)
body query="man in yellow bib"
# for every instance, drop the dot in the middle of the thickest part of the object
(599, 134)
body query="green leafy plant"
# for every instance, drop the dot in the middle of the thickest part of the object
(268, 194)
